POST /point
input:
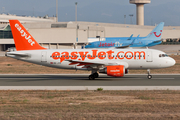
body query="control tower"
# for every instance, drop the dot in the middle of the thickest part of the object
(140, 10)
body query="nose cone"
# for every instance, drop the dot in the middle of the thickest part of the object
(171, 62)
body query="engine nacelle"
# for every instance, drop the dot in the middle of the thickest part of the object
(126, 71)
(115, 71)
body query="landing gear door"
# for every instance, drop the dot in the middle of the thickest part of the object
(43, 56)
(149, 57)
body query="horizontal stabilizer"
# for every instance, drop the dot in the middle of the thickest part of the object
(19, 54)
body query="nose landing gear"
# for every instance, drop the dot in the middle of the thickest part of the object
(149, 76)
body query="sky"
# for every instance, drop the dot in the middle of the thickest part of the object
(107, 11)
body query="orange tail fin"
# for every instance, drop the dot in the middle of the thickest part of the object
(22, 39)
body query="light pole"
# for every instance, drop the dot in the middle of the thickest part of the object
(56, 10)
(77, 27)
(3, 9)
(131, 15)
(76, 11)
(124, 19)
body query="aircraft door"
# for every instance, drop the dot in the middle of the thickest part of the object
(43, 56)
(149, 57)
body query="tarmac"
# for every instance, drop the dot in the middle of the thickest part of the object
(81, 82)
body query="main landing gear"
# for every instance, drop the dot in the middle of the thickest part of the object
(149, 76)
(93, 76)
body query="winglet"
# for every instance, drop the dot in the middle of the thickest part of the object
(22, 39)
(130, 37)
(134, 40)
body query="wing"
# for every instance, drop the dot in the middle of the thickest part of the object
(96, 64)
(123, 46)
(127, 45)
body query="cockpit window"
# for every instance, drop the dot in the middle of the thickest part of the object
(163, 55)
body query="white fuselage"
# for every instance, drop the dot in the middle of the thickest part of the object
(130, 58)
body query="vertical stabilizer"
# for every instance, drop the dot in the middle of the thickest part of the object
(156, 33)
(22, 39)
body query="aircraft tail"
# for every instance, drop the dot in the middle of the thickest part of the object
(22, 38)
(156, 33)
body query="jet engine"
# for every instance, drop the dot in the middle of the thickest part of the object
(115, 71)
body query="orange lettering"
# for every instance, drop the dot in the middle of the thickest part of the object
(93, 56)
(83, 55)
(119, 53)
(74, 55)
(139, 54)
(65, 56)
(129, 57)
(101, 55)
(56, 55)
(110, 54)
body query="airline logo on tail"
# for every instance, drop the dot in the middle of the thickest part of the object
(22, 38)
(23, 34)
(156, 34)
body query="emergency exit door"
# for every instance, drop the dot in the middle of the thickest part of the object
(43, 56)
(149, 57)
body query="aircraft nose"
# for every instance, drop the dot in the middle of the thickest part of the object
(171, 62)
(86, 46)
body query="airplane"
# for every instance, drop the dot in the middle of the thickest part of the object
(113, 62)
(152, 39)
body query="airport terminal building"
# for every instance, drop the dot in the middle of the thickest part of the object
(57, 35)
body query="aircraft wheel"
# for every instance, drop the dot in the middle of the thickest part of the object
(149, 76)
(91, 77)
(96, 75)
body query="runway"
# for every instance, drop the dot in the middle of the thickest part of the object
(82, 80)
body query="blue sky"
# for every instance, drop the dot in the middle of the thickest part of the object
(108, 11)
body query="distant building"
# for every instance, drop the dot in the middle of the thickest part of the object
(4, 18)
(57, 35)
(6, 38)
